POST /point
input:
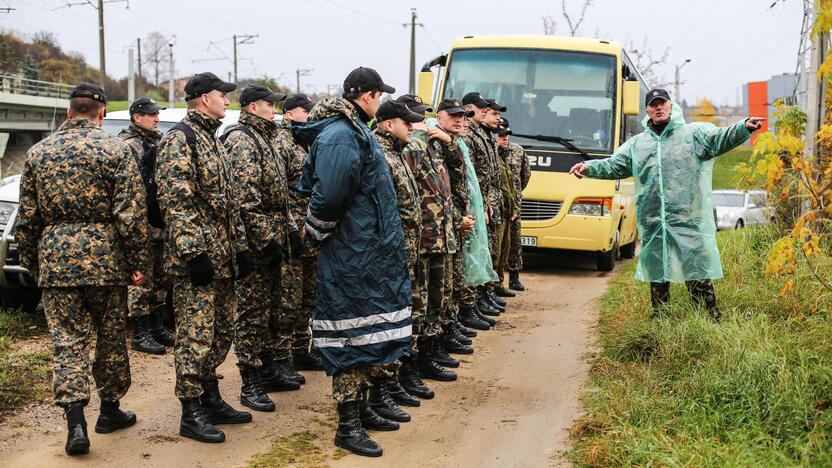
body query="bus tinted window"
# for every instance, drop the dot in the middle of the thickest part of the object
(547, 92)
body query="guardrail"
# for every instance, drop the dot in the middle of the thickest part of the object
(16, 84)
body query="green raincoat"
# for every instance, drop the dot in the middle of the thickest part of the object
(673, 173)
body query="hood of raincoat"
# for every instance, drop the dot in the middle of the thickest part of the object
(673, 174)
(363, 303)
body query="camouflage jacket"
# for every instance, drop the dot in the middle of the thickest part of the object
(292, 153)
(260, 174)
(483, 148)
(199, 199)
(139, 140)
(511, 202)
(434, 184)
(83, 219)
(406, 190)
(519, 169)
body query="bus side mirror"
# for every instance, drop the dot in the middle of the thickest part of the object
(631, 98)
(425, 87)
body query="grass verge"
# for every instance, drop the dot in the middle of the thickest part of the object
(24, 375)
(754, 390)
(726, 175)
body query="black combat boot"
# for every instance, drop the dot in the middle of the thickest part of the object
(454, 329)
(218, 411)
(142, 339)
(490, 321)
(252, 393)
(373, 421)
(428, 367)
(469, 318)
(158, 330)
(273, 380)
(494, 297)
(350, 435)
(111, 418)
(485, 307)
(383, 404)
(451, 344)
(514, 281)
(286, 368)
(196, 425)
(464, 330)
(399, 394)
(440, 354)
(410, 381)
(308, 361)
(77, 442)
(491, 300)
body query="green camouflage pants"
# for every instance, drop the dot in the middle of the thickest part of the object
(515, 255)
(258, 296)
(297, 303)
(204, 331)
(76, 317)
(142, 300)
(352, 384)
(431, 283)
(504, 238)
(454, 286)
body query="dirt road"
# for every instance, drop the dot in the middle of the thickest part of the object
(512, 405)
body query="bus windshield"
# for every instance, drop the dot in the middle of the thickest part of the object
(547, 92)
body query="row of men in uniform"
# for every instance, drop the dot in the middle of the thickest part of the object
(189, 209)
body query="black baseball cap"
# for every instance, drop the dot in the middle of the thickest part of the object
(453, 106)
(414, 103)
(476, 99)
(298, 100)
(395, 109)
(256, 92)
(89, 90)
(503, 128)
(145, 105)
(493, 104)
(364, 79)
(654, 94)
(203, 83)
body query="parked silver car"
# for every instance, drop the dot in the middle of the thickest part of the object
(736, 209)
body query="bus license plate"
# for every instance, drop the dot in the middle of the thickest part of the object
(528, 241)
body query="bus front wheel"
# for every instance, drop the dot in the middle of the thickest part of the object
(605, 261)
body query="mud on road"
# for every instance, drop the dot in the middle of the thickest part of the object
(514, 401)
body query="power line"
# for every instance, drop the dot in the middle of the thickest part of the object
(351, 14)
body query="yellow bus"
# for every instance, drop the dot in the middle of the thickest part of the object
(569, 99)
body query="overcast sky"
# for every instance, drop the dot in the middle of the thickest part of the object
(730, 42)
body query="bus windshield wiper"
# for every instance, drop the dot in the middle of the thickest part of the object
(565, 142)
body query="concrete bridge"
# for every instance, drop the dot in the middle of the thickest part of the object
(29, 111)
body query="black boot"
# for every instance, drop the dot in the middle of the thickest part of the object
(112, 419)
(308, 361)
(490, 321)
(464, 331)
(469, 318)
(158, 330)
(218, 411)
(252, 393)
(501, 291)
(410, 381)
(451, 344)
(486, 308)
(454, 329)
(494, 297)
(286, 368)
(428, 368)
(77, 442)
(273, 380)
(514, 281)
(399, 394)
(196, 425)
(383, 404)
(440, 354)
(373, 421)
(350, 435)
(490, 299)
(142, 340)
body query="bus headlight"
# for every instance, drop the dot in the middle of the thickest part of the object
(591, 207)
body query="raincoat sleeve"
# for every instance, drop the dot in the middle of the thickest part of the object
(617, 166)
(714, 141)
(338, 170)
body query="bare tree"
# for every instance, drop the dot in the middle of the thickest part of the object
(155, 54)
(574, 24)
(647, 63)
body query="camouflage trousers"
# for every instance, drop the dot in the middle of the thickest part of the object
(73, 315)
(142, 300)
(204, 331)
(701, 291)
(430, 276)
(454, 287)
(417, 308)
(352, 384)
(297, 303)
(504, 239)
(515, 254)
(258, 296)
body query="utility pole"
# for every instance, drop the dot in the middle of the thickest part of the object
(299, 73)
(139, 50)
(240, 40)
(131, 79)
(678, 82)
(171, 95)
(814, 96)
(412, 25)
(101, 40)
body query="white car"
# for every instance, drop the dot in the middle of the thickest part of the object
(736, 209)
